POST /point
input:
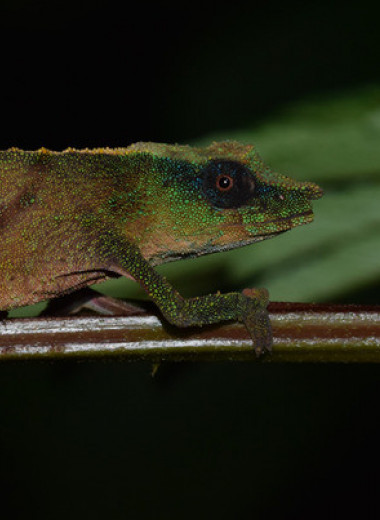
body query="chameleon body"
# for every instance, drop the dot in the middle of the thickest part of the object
(73, 218)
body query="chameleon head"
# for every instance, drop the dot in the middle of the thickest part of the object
(221, 197)
(257, 202)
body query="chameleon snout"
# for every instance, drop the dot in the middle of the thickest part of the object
(312, 191)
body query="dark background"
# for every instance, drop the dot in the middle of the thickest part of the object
(94, 73)
(105, 439)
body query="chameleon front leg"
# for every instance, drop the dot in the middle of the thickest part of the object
(248, 307)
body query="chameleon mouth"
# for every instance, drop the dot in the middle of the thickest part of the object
(295, 219)
(266, 230)
(276, 226)
(302, 218)
(291, 220)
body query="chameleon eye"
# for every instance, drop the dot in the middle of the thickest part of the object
(224, 182)
(227, 184)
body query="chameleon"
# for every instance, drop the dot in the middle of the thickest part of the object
(78, 217)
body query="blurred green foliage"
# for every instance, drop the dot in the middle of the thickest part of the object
(335, 142)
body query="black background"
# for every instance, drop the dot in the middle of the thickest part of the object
(94, 73)
(105, 439)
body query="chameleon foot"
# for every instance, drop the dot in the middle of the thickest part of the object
(256, 319)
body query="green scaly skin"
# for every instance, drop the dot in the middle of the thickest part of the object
(73, 218)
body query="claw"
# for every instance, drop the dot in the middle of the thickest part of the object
(257, 320)
(262, 332)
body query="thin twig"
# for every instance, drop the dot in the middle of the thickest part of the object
(302, 332)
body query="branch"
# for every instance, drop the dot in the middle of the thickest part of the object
(302, 332)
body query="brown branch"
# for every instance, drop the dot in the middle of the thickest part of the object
(302, 332)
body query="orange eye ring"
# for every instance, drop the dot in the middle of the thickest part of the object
(224, 182)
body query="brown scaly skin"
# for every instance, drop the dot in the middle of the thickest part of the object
(70, 219)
